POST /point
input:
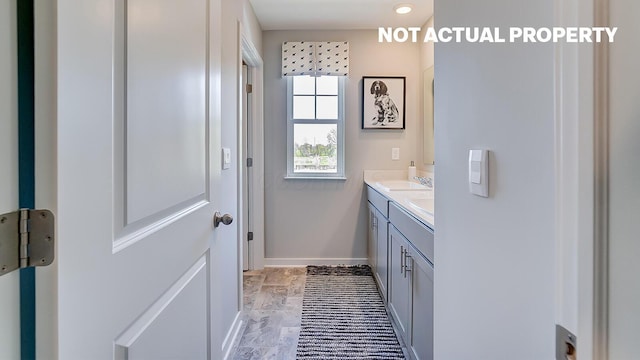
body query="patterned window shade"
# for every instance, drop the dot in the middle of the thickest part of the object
(315, 58)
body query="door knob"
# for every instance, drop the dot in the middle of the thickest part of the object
(219, 218)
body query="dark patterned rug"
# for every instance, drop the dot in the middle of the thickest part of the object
(344, 317)
(355, 270)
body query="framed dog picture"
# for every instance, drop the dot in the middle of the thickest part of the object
(383, 102)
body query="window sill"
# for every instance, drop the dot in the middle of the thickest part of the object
(311, 177)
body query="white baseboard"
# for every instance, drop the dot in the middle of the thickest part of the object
(232, 336)
(291, 262)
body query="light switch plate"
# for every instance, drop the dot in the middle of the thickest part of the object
(395, 153)
(479, 172)
(226, 158)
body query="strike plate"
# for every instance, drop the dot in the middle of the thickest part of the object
(566, 344)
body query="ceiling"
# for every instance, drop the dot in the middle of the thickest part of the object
(338, 14)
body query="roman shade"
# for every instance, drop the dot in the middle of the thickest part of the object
(315, 58)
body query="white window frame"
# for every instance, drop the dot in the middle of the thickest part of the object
(340, 173)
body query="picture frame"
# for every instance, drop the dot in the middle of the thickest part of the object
(383, 102)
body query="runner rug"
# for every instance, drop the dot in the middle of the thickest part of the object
(344, 317)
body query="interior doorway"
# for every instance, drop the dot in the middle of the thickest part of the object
(247, 157)
(251, 156)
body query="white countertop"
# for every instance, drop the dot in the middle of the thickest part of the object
(406, 199)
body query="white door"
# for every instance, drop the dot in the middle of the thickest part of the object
(9, 293)
(138, 175)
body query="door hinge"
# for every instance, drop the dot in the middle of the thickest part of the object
(249, 162)
(250, 236)
(26, 239)
(249, 88)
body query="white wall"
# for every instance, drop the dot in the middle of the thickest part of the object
(326, 219)
(624, 247)
(426, 48)
(494, 279)
(236, 15)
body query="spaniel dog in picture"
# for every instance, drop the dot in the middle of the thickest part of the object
(386, 108)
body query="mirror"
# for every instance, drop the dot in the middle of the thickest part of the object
(428, 117)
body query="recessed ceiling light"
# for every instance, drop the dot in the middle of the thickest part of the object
(403, 8)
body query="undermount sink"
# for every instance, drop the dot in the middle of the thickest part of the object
(425, 205)
(400, 185)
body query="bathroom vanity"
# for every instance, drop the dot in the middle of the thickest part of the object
(400, 252)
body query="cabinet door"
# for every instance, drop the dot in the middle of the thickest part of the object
(421, 324)
(381, 253)
(372, 237)
(399, 282)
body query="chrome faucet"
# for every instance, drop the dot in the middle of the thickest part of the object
(426, 181)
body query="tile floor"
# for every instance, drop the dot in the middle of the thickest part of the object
(272, 314)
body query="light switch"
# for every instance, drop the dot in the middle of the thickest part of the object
(395, 153)
(479, 172)
(226, 158)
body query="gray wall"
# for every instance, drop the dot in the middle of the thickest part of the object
(624, 247)
(327, 218)
(494, 282)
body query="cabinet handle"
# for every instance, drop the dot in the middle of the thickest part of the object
(406, 267)
(401, 259)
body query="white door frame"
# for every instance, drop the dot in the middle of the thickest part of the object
(601, 188)
(244, 172)
(45, 38)
(10, 339)
(252, 58)
(581, 167)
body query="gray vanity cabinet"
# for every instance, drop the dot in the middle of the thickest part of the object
(421, 298)
(400, 250)
(377, 240)
(411, 281)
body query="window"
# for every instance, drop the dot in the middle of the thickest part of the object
(315, 127)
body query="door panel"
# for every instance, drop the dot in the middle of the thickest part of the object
(381, 252)
(372, 237)
(398, 283)
(9, 283)
(422, 306)
(164, 105)
(138, 122)
(173, 327)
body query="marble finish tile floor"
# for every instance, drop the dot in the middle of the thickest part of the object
(272, 315)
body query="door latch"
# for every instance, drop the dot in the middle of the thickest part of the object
(26, 239)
